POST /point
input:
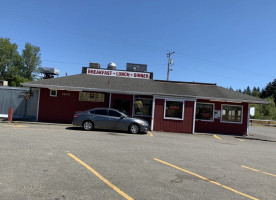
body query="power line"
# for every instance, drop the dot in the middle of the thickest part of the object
(229, 67)
(56, 61)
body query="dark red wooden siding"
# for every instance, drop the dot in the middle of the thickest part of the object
(220, 127)
(62, 108)
(168, 125)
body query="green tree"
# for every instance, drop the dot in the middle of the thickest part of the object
(31, 60)
(16, 80)
(256, 92)
(270, 90)
(265, 111)
(9, 58)
(16, 68)
(247, 91)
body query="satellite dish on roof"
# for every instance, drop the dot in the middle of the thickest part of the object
(111, 65)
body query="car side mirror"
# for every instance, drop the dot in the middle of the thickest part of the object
(122, 116)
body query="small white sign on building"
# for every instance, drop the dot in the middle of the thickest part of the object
(217, 114)
(252, 111)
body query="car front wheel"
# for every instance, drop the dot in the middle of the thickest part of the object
(88, 125)
(134, 128)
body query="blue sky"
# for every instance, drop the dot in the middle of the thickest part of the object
(228, 42)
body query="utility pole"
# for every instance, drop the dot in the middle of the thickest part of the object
(169, 63)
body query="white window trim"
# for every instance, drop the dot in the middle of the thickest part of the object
(51, 93)
(172, 118)
(205, 120)
(133, 109)
(38, 100)
(232, 106)
(152, 115)
(194, 117)
(248, 120)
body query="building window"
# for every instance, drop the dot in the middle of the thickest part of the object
(205, 111)
(122, 105)
(142, 107)
(100, 112)
(53, 93)
(174, 110)
(114, 113)
(231, 113)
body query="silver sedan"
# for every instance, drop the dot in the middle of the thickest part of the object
(106, 118)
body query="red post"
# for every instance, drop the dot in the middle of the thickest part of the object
(10, 114)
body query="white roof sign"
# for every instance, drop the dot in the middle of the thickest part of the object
(126, 74)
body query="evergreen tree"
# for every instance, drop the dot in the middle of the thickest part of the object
(256, 92)
(270, 90)
(264, 111)
(247, 91)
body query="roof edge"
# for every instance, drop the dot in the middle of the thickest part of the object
(143, 93)
(191, 83)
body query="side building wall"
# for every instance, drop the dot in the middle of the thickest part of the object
(23, 101)
(217, 126)
(61, 108)
(170, 125)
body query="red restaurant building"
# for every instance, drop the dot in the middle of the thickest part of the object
(170, 106)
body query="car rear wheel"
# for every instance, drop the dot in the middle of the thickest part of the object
(134, 128)
(87, 125)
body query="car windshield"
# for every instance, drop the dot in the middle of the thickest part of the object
(122, 113)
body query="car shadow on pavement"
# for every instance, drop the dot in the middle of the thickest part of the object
(258, 139)
(74, 128)
(109, 132)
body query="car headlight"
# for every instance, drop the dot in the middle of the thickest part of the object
(143, 123)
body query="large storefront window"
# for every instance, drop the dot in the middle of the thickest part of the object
(174, 110)
(231, 113)
(204, 111)
(142, 107)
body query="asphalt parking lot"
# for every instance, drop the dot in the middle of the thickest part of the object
(62, 162)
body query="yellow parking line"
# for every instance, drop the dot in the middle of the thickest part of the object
(258, 171)
(241, 140)
(206, 179)
(150, 133)
(21, 126)
(37, 129)
(13, 125)
(101, 177)
(17, 126)
(215, 136)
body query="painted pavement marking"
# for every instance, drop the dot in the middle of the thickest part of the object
(17, 126)
(206, 179)
(256, 170)
(101, 177)
(215, 136)
(149, 132)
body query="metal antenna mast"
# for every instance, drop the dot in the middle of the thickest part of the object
(169, 64)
